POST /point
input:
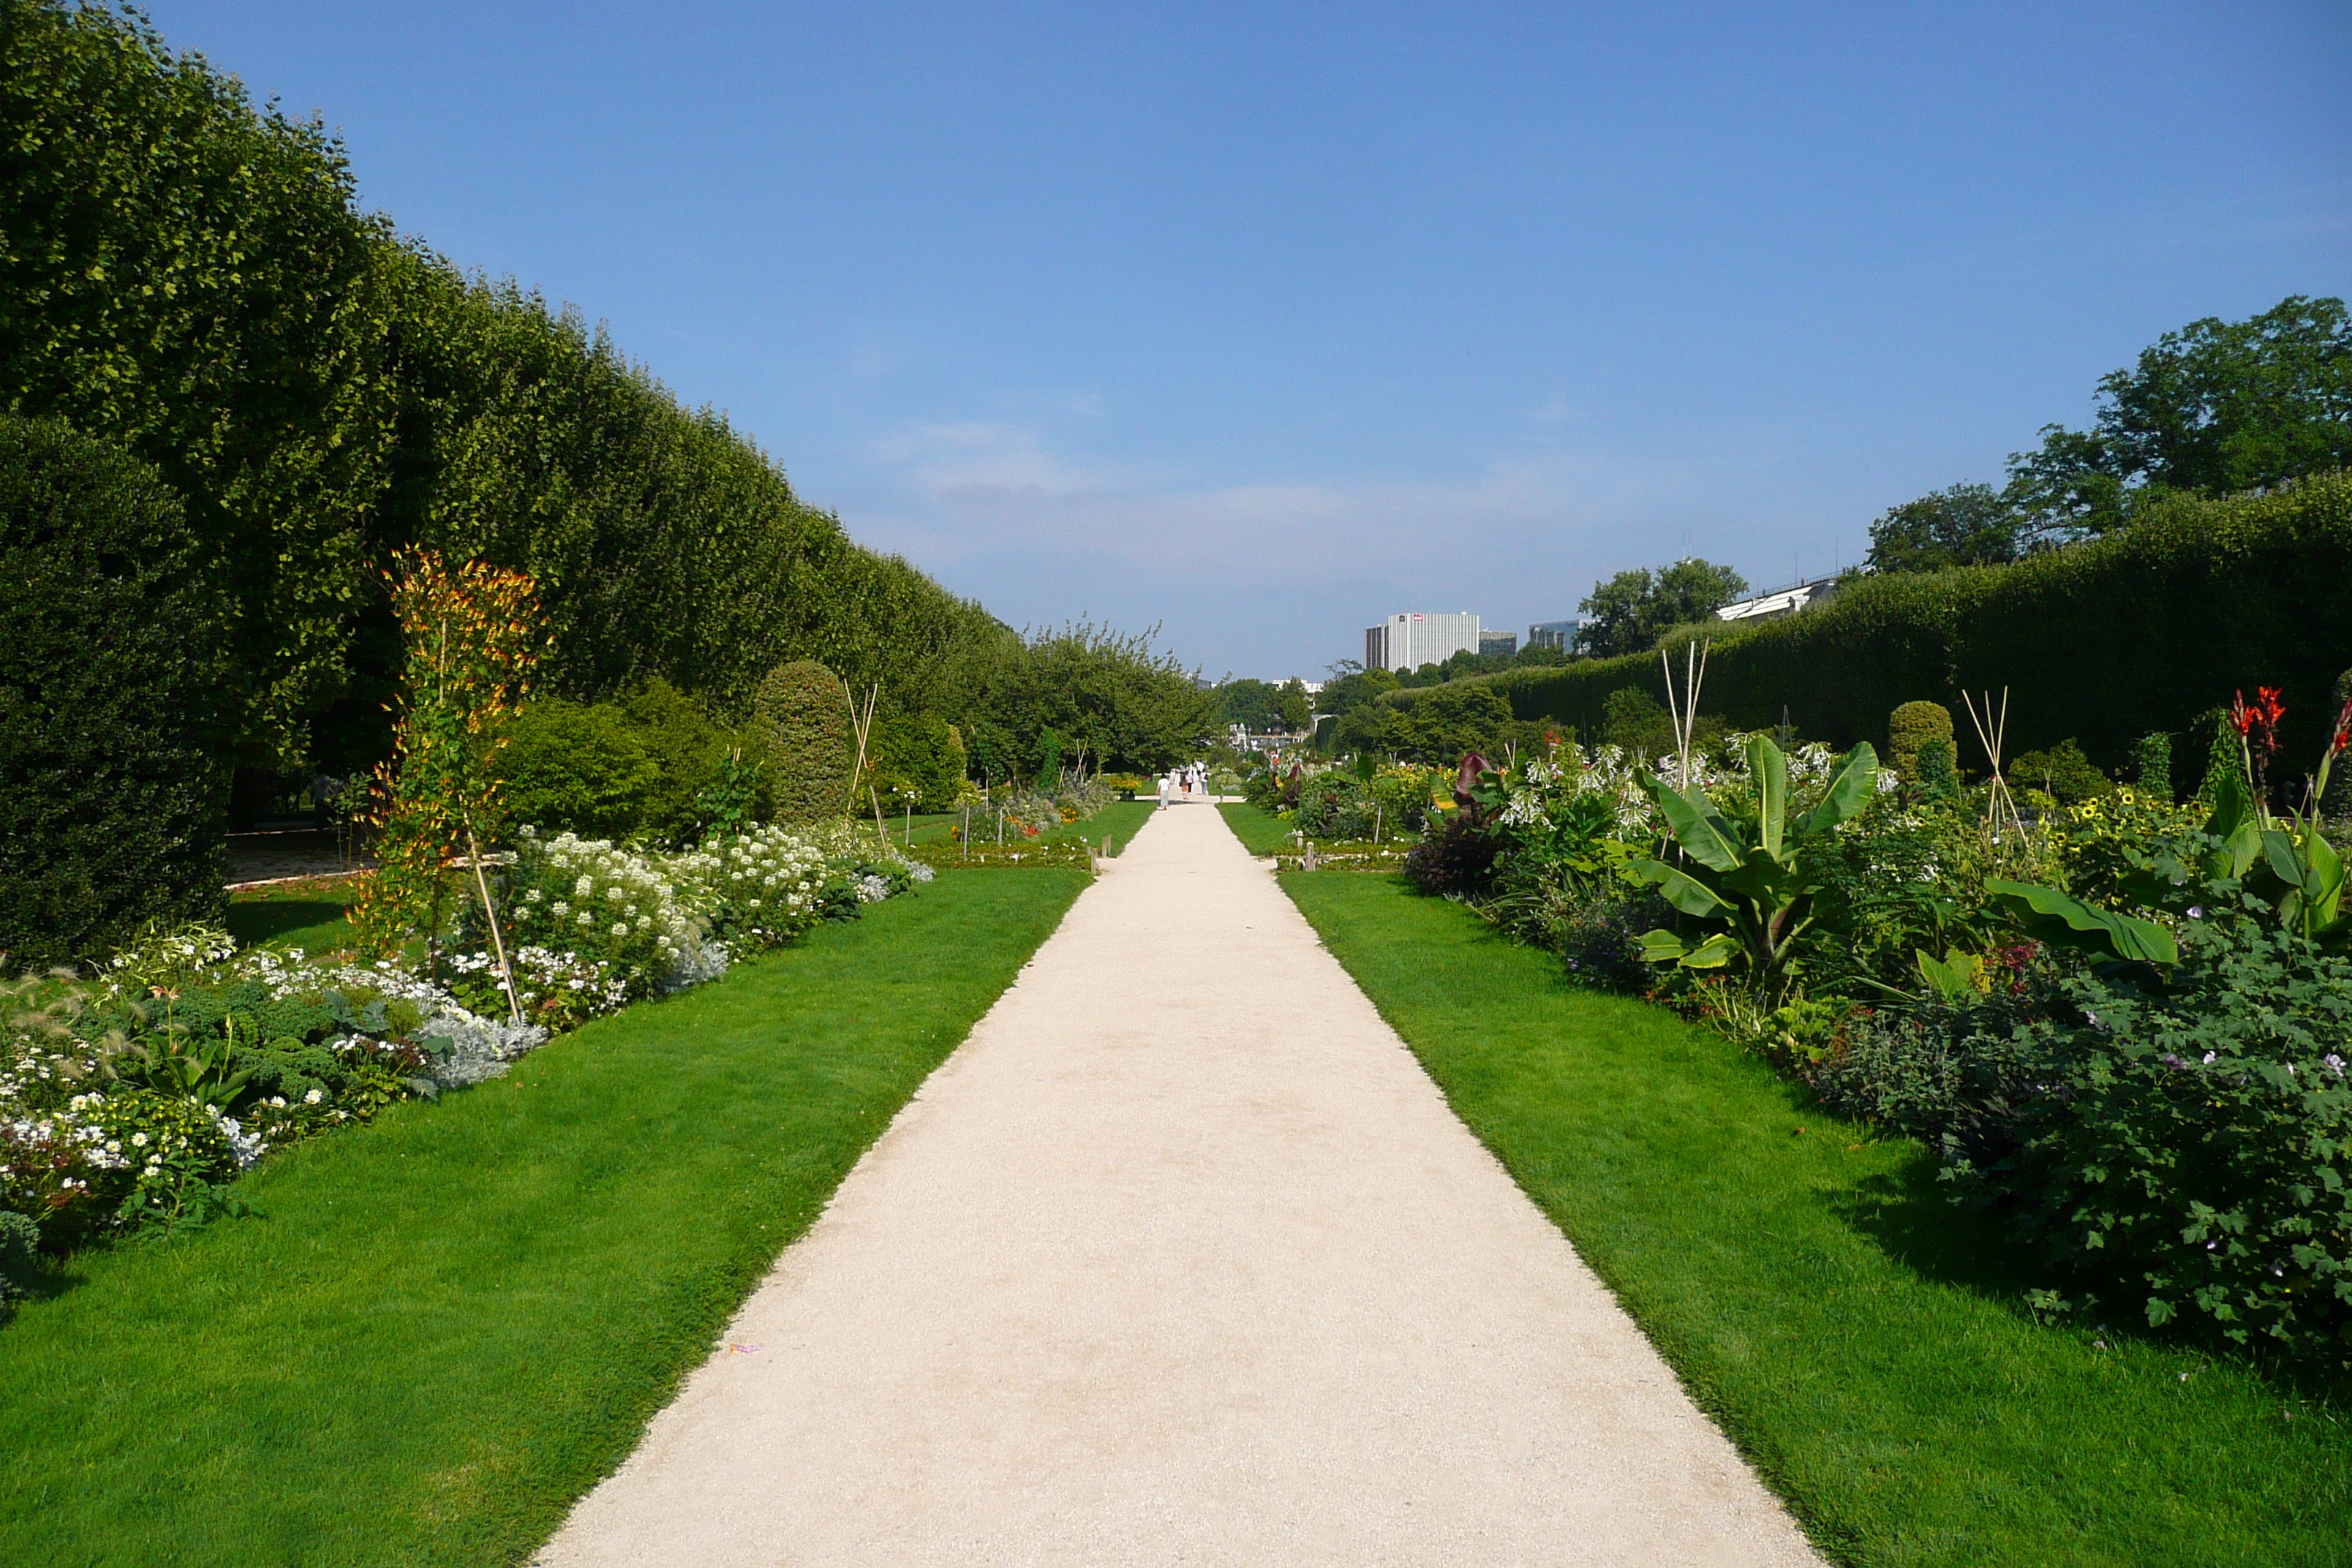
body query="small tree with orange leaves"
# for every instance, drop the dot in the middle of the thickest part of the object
(473, 636)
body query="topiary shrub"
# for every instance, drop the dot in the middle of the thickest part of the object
(113, 727)
(1912, 726)
(1637, 721)
(2063, 772)
(801, 724)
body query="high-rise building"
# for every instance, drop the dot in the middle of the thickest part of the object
(1409, 641)
(1558, 636)
(1491, 644)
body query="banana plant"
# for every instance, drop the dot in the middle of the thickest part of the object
(1747, 870)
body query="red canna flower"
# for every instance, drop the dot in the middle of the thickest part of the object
(2343, 736)
(2240, 716)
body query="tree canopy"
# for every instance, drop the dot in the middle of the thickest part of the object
(1264, 708)
(1631, 611)
(1966, 525)
(2217, 408)
(321, 394)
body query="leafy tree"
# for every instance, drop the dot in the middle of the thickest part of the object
(189, 277)
(112, 712)
(1255, 705)
(1965, 525)
(1631, 611)
(1111, 699)
(1351, 688)
(2217, 407)
(1296, 707)
(919, 762)
(323, 395)
(473, 638)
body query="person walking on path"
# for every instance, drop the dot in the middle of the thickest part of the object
(1195, 1266)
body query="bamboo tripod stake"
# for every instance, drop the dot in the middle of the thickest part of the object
(1992, 734)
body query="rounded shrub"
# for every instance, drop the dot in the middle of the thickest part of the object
(1911, 727)
(801, 720)
(113, 725)
(572, 767)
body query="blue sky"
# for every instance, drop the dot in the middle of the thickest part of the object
(1262, 321)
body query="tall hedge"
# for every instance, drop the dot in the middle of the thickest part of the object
(193, 279)
(2104, 642)
(110, 699)
(801, 719)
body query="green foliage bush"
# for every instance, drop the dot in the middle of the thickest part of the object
(2194, 1143)
(1335, 805)
(2062, 773)
(919, 762)
(112, 721)
(580, 768)
(1912, 726)
(801, 723)
(2103, 641)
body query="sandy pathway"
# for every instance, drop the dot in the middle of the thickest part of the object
(1180, 1259)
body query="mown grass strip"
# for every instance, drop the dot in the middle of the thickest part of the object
(1861, 1341)
(1261, 832)
(446, 1325)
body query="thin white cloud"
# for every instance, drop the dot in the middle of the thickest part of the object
(975, 487)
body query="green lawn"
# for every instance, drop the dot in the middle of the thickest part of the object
(445, 1326)
(1261, 832)
(1861, 1341)
(1111, 829)
(307, 915)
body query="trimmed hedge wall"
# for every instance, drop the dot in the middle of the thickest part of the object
(112, 679)
(2104, 642)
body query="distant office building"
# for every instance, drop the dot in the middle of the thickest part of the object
(1408, 641)
(1493, 643)
(1558, 636)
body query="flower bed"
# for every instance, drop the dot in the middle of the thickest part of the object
(131, 1099)
(2123, 1023)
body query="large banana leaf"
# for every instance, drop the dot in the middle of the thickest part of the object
(2237, 824)
(1696, 826)
(2062, 919)
(1663, 946)
(1850, 790)
(1769, 771)
(1769, 880)
(1680, 888)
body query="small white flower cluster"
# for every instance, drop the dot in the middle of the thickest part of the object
(763, 884)
(596, 901)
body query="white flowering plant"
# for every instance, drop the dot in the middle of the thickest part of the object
(598, 903)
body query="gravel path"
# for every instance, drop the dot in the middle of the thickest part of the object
(1180, 1259)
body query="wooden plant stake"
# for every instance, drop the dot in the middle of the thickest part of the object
(490, 913)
